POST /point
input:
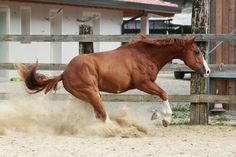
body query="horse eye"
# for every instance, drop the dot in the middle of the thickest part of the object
(196, 52)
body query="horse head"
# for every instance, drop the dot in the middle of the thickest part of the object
(194, 58)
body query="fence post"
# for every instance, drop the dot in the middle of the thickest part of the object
(199, 111)
(145, 24)
(85, 47)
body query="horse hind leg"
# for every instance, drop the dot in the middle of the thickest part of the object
(93, 98)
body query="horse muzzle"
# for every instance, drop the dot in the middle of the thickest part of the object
(205, 71)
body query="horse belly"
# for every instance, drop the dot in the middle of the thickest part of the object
(114, 84)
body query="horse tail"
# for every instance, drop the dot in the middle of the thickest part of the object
(37, 82)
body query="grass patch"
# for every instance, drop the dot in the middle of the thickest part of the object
(180, 109)
(221, 118)
(180, 115)
(174, 115)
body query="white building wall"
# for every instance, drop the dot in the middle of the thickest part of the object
(110, 24)
(29, 52)
(70, 26)
(107, 23)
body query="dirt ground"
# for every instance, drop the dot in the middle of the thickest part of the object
(178, 141)
(39, 127)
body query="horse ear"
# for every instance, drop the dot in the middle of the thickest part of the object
(191, 40)
(142, 36)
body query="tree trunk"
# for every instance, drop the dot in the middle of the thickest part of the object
(199, 111)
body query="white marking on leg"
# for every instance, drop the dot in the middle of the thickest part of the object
(110, 124)
(166, 111)
(108, 119)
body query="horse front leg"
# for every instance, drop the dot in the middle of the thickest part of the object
(166, 112)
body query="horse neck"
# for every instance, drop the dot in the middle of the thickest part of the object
(163, 55)
(158, 55)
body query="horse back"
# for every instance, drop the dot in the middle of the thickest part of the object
(109, 71)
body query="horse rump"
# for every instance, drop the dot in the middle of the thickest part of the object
(36, 82)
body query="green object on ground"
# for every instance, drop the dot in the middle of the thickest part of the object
(15, 79)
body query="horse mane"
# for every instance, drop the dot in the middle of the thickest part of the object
(160, 43)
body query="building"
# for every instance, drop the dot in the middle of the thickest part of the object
(62, 17)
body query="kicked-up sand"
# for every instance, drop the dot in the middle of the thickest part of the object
(36, 126)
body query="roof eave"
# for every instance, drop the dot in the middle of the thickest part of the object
(113, 4)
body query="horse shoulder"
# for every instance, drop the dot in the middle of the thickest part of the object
(143, 69)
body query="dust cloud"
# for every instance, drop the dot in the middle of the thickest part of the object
(37, 114)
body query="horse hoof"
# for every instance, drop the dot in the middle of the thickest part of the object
(165, 123)
(154, 116)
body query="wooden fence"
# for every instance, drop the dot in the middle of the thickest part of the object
(225, 69)
(202, 98)
(110, 38)
(167, 67)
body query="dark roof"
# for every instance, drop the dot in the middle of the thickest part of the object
(132, 7)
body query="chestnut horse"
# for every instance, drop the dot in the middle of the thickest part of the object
(134, 65)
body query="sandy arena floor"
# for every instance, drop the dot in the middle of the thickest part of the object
(39, 127)
(178, 141)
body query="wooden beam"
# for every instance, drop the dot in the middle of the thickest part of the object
(42, 66)
(223, 75)
(142, 98)
(230, 68)
(110, 38)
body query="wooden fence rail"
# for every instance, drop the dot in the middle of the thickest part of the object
(168, 67)
(109, 38)
(144, 98)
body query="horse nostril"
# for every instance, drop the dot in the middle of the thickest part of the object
(208, 72)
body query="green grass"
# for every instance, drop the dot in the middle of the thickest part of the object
(180, 112)
(222, 118)
(174, 115)
(180, 109)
